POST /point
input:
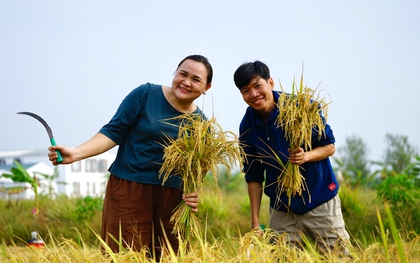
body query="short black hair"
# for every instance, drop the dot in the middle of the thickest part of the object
(248, 71)
(206, 63)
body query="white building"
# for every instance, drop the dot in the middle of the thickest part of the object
(84, 178)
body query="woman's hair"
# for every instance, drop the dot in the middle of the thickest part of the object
(248, 71)
(206, 63)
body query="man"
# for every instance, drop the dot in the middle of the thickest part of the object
(317, 212)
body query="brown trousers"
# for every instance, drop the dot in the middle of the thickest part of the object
(136, 212)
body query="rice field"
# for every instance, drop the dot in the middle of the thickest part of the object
(225, 237)
(235, 250)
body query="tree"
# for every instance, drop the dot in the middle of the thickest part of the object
(50, 179)
(399, 153)
(353, 161)
(402, 191)
(19, 174)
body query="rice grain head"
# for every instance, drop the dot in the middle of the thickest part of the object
(300, 113)
(201, 146)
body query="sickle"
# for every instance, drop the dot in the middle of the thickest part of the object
(49, 131)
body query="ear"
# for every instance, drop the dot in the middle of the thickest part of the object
(207, 88)
(271, 83)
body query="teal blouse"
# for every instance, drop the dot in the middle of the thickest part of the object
(139, 127)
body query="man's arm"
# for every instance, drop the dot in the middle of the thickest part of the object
(255, 196)
(299, 156)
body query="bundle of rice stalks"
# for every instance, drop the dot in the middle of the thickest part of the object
(201, 147)
(300, 113)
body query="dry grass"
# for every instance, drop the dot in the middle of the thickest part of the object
(201, 146)
(392, 246)
(299, 114)
(252, 247)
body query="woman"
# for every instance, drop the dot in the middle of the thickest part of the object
(135, 200)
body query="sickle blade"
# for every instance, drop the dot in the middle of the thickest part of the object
(41, 120)
(49, 131)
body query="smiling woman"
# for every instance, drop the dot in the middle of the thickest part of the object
(140, 127)
(191, 79)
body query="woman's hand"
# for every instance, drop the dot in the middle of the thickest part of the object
(192, 201)
(98, 144)
(66, 153)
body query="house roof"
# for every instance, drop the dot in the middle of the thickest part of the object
(8, 167)
(19, 153)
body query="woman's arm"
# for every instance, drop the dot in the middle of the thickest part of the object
(98, 144)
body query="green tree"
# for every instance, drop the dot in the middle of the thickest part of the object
(50, 179)
(399, 153)
(353, 161)
(402, 191)
(19, 174)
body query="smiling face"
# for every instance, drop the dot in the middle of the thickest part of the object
(190, 81)
(258, 94)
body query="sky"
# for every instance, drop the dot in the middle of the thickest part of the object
(73, 62)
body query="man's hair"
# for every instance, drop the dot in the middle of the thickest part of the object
(206, 63)
(250, 70)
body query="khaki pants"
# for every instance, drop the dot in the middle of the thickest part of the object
(137, 211)
(324, 224)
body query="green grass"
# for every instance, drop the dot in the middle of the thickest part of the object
(377, 234)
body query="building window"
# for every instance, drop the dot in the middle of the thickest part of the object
(103, 166)
(76, 167)
(93, 189)
(91, 165)
(76, 189)
(102, 187)
(87, 188)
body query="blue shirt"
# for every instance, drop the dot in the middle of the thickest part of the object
(139, 127)
(260, 138)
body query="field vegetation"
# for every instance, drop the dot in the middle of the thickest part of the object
(380, 209)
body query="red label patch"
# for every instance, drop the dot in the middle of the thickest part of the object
(332, 186)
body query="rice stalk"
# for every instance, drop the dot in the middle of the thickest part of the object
(201, 146)
(300, 113)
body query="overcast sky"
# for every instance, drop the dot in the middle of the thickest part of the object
(72, 62)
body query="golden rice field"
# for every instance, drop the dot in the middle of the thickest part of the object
(226, 239)
(235, 250)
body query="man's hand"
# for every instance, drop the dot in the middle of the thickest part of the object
(297, 156)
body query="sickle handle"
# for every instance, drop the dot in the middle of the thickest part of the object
(59, 158)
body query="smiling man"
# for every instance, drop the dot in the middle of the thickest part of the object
(317, 213)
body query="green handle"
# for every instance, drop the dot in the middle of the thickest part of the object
(59, 158)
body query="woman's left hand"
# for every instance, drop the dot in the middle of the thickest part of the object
(192, 201)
